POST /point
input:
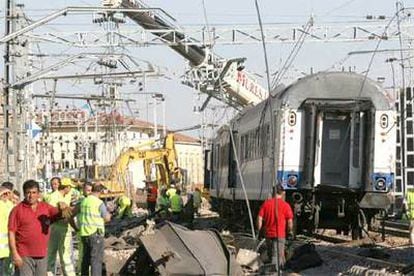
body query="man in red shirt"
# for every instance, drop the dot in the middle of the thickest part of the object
(273, 215)
(152, 194)
(29, 231)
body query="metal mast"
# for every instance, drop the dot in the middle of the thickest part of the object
(6, 90)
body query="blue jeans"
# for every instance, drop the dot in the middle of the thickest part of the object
(93, 252)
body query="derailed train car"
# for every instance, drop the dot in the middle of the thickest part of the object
(334, 152)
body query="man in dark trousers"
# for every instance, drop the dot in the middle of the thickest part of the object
(273, 216)
(91, 223)
(29, 231)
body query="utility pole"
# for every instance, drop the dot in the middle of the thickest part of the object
(16, 108)
(6, 90)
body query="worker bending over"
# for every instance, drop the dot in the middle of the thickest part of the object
(124, 207)
(163, 203)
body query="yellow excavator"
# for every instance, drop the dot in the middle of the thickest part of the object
(163, 159)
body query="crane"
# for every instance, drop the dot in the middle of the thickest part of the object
(220, 78)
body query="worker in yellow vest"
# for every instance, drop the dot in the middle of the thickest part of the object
(60, 232)
(176, 205)
(5, 208)
(86, 191)
(171, 191)
(124, 207)
(163, 203)
(91, 223)
(410, 212)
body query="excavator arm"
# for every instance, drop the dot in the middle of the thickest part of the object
(164, 159)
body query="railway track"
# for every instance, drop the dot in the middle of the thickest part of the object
(394, 228)
(365, 256)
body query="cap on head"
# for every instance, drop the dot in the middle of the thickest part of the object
(66, 182)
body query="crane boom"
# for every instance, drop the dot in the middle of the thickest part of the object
(223, 79)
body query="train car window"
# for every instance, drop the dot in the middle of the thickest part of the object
(215, 156)
(409, 111)
(408, 127)
(410, 177)
(408, 93)
(410, 162)
(398, 153)
(252, 144)
(398, 168)
(398, 185)
(355, 154)
(224, 155)
(246, 143)
(257, 144)
(410, 144)
(241, 148)
(268, 140)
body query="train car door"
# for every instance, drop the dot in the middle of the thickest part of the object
(335, 149)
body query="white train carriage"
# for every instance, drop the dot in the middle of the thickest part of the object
(334, 151)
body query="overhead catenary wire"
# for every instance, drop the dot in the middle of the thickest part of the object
(293, 54)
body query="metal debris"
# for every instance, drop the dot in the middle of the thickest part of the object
(360, 270)
(176, 250)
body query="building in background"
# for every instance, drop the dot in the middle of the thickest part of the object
(190, 159)
(73, 139)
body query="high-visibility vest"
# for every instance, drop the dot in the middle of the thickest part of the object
(176, 205)
(171, 192)
(410, 201)
(90, 219)
(125, 206)
(5, 209)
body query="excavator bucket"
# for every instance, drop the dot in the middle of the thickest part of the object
(176, 250)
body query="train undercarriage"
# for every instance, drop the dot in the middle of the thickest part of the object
(328, 208)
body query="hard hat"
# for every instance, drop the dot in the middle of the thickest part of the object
(66, 182)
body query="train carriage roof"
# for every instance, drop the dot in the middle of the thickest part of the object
(334, 85)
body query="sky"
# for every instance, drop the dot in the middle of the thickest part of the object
(180, 100)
